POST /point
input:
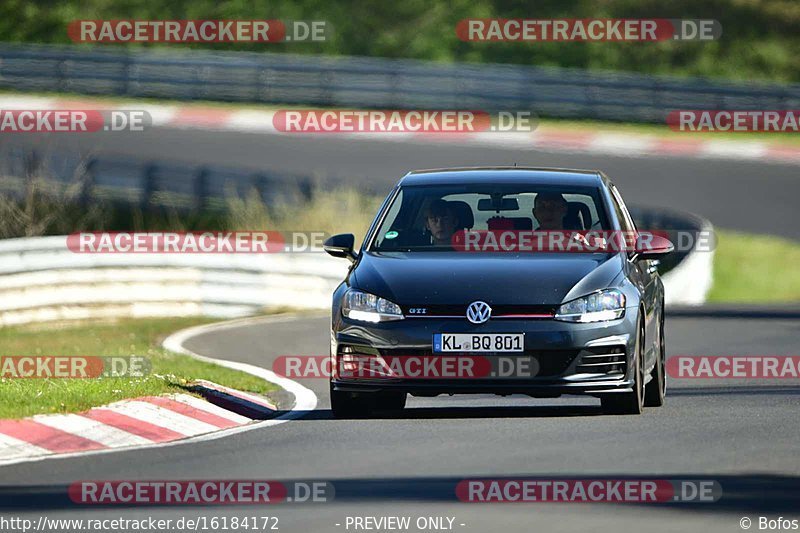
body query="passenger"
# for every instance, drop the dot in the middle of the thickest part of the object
(441, 221)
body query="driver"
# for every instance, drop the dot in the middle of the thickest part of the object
(549, 209)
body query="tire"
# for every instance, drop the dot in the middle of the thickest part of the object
(629, 403)
(656, 390)
(346, 405)
(390, 401)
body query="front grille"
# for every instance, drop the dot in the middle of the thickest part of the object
(602, 360)
(551, 363)
(605, 360)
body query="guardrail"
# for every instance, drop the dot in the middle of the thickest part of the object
(374, 82)
(147, 183)
(42, 280)
(689, 275)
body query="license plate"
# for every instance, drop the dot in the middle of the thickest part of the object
(479, 342)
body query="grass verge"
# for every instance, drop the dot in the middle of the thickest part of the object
(26, 397)
(751, 268)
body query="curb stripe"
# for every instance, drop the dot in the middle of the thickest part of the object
(191, 116)
(152, 414)
(146, 430)
(43, 436)
(191, 412)
(210, 408)
(610, 143)
(784, 153)
(87, 428)
(678, 146)
(252, 398)
(11, 448)
(734, 149)
(252, 121)
(615, 142)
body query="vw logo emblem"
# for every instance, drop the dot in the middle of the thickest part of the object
(478, 312)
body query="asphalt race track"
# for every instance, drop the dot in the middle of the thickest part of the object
(743, 435)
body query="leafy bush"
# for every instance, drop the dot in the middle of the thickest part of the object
(759, 42)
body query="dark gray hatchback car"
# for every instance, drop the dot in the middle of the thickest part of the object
(417, 300)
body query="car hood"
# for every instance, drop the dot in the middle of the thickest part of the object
(449, 278)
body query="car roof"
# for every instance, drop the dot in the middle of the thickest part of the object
(505, 175)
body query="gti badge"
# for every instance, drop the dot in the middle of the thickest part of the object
(478, 312)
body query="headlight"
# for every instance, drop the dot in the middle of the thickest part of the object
(597, 307)
(360, 305)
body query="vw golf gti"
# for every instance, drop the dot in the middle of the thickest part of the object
(501, 281)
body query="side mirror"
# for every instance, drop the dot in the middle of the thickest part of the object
(652, 246)
(341, 246)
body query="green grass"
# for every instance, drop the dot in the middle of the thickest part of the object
(142, 337)
(755, 268)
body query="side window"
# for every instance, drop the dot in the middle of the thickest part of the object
(389, 221)
(589, 203)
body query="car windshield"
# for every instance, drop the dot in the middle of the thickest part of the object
(428, 218)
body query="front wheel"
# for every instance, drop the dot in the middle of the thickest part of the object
(347, 405)
(362, 405)
(390, 401)
(656, 390)
(629, 403)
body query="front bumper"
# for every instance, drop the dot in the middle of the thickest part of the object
(571, 358)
